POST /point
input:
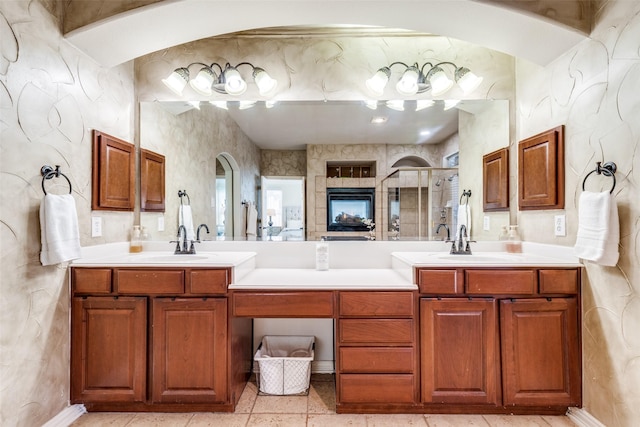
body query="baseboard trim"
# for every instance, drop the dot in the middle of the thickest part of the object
(583, 418)
(67, 416)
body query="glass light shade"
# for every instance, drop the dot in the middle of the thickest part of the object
(177, 80)
(440, 83)
(396, 104)
(234, 84)
(467, 81)
(265, 83)
(371, 104)
(379, 80)
(270, 104)
(408, 83)
(203, 81)
(421, 104)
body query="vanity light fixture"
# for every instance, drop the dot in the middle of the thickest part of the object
(395, 104)
(227, 80)
(419, 79)
(450, 103)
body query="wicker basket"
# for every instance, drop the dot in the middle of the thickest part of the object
(284, 364)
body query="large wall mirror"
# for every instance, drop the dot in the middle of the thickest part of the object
(200, 139)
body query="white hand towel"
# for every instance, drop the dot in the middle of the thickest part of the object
(59, 233)
(252, 220)
(464, 218)
(185, 217)
(598, 228)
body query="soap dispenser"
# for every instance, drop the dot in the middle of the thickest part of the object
(514, 244)
(136, 243)
(322, 255)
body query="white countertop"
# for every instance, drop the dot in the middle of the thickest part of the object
(334, 279)
(484, 259)
(166, 259)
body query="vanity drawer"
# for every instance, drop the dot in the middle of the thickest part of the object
(391, 332)
(380, 388)
(383, 304)
(558, 281)
(373, 360)
(442, 282)
(208, 281)
(282, 304)
(150, 281)
(91, 280)
(491, 282)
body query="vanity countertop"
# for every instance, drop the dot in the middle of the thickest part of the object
(333, 279)
(167, 259)
(483, 259)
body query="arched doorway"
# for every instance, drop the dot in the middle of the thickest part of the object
(227, 183)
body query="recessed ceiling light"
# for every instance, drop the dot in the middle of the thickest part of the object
(379, 120)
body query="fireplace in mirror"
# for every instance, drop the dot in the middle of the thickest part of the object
(348, 207)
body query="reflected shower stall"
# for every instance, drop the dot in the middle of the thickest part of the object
(420, 203)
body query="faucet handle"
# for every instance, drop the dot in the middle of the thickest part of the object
(177, 242)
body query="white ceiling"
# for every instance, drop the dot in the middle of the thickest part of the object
(292, 125)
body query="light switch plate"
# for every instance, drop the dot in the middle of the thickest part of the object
(486, 223)
(96, 226)
(560, 225)
(161, 223)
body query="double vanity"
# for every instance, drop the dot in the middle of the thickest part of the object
(415, 329)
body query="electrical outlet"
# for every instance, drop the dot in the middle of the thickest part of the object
(161, 223)
(560, 225)
(96, 226)
(486, 223)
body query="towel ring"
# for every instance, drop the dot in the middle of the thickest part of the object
(608, 169)
(48, 172)
(182, 193)
(465, 193)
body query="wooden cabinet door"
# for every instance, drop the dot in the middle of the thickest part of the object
(189, 350)
(151, 181)
(540, 352)
(108, 349)
(459, 351)
(113, 173)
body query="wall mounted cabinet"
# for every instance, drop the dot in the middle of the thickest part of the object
(113, 173)
(152, 184)
(541, 171)
(495, 180)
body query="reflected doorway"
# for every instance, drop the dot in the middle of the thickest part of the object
(283, 212)
(224, 198)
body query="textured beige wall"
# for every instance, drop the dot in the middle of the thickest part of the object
(283, 163)
(51, 97)
(190, 142)
(594, 91)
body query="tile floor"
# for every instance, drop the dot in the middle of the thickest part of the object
(315, 410)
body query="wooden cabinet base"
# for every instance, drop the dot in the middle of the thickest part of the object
(165, 407)
(392, 408)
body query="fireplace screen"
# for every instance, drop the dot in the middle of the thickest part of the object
(348, 207)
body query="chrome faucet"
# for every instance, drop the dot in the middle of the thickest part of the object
(446, 227)
(205, 226)
(462, 247)
(182, 238)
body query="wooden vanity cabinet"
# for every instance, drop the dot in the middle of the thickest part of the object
(376, 351)
(460, 351)
(155, 340)
(510, 342)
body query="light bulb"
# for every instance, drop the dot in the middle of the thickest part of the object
(234, 85)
